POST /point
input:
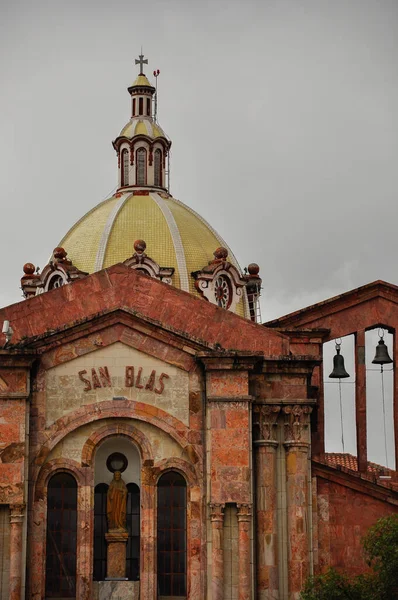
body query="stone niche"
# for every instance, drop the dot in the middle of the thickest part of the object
(116, 590)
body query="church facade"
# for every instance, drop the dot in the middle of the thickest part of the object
(156, 440)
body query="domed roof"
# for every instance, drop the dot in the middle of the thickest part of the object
(141, 81)
(142, 127)
(175, 236)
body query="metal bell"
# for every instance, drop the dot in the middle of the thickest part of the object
(381, 357)
(339, 371)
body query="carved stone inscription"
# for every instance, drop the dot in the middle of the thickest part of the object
(116, 371)
(99, 378)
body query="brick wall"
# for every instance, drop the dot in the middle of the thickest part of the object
(344, 517)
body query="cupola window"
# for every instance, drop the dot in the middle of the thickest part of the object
(148, 107)
(158, 167)
(133, 107)
(125, 167)
(141, 167)
(141, 106)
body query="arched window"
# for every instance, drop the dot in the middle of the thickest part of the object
(133, 107)
(61, 537)
(148, 107)
(55, 281)
(172, 535)
(141, 167)
(141, 106)
(158, 167)
(133, 527)
(100, 529)
(125, 167)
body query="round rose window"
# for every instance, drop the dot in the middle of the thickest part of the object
(117, 462)
(222, 292)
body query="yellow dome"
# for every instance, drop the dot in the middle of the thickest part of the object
(142, 127)
(175, 236)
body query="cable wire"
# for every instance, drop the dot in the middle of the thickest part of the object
(384, 415)
(341, 417)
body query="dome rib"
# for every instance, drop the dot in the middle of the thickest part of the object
(176, 236)
(99, 259)
(177, 241)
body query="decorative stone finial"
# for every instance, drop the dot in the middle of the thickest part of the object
(253, 269)
(139, 246)
(221, 253)
(29, 268)
(60, 253)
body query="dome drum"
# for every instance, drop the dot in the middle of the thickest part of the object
(142, 162)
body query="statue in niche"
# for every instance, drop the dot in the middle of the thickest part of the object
(116, 503)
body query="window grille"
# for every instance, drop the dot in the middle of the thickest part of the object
(100, 529)
(172, 535)
(223, 292)
(61, 537)
(158, 167)
(133, 527)
(141, 166)
(125, 167)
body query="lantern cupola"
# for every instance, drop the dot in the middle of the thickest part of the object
(142, 146)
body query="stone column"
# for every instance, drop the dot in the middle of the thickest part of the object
(16, 520)
(244, 521)
(360, 401)
(266, 501)
(217, 575)
(148, 575)
(297, 437)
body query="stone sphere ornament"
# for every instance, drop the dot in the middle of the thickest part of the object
(29, 268)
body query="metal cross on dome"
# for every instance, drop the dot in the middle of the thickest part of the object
(141, 61)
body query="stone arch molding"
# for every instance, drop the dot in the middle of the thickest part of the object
(54, 466)
(108, 431)
(175, 464)
(127, 409)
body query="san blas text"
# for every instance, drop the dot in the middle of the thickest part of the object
(133, 377)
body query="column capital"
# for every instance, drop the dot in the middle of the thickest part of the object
(244, 512)
(216, 512)
(297, 421)
(17, 513)
(265, 418)
(148, 475)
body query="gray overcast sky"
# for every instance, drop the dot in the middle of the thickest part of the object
(282, 113)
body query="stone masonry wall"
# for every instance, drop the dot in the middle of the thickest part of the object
(344, 517)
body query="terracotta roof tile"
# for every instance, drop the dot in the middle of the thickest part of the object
(348, 462)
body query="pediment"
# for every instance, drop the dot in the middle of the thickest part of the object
(49, 318)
